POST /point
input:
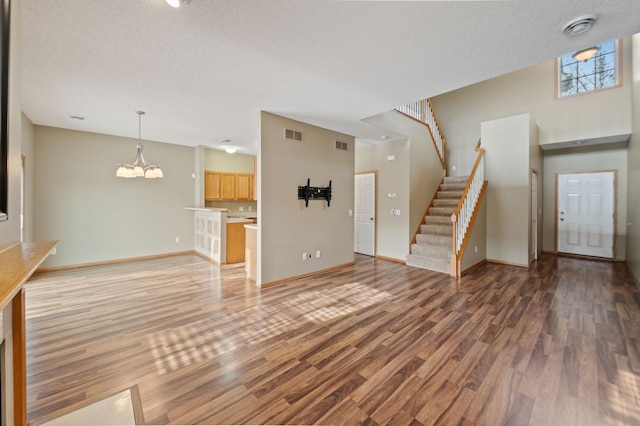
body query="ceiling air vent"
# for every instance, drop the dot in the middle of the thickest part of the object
(342, 146)
(579, 25)
(292, 135)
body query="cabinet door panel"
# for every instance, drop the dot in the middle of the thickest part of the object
(243, 190)
(228, 186)
(235, 242)
(212, 186)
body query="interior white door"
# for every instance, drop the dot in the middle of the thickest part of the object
(364, 214)
(586, 213)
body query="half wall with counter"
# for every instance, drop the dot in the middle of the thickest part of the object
(210, 227)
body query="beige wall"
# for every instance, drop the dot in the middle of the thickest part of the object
(98, 216)
(220, 161)
(288, 228)
(10, 229)
(424, 170)
(507, 168)
(586, 159)
(633, 230)
(27, 151)
(393, 177)
(531, 90)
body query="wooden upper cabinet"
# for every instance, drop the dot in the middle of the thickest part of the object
(228, 186)
(212, 186)
(244, 187)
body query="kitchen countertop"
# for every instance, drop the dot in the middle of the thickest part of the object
(207, 209)
(239, 220)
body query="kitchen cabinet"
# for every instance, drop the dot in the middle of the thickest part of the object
(244, 186)
(235, 242)
(228, 186)
(212, 186)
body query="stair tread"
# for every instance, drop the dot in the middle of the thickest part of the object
(428, 264)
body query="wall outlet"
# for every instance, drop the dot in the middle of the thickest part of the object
(453, 168)
(350, 212)
(317, 253)
(304, 256)
(391, 157)
(54, 250)
(476, 248)
(177, 240)
(240, 209)
(249, 208)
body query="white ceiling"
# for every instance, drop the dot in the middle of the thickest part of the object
(203, 72)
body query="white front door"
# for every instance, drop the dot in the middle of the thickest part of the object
(365, 204)
(586, 213)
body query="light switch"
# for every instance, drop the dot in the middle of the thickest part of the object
(392, 195)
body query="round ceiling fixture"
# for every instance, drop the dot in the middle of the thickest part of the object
(177, 3)
(579, 25)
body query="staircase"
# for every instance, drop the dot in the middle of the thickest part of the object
(433, 246)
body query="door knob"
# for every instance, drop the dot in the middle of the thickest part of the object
(370, 218)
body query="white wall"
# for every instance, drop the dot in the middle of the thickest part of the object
(97, 216)
(393, 176)
(507, 168)
(633, 202)
(287, 228)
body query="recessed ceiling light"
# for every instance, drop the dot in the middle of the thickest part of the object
(580, 24)
(383, 137)
(77, 117)
(177, 3)
(230, 150)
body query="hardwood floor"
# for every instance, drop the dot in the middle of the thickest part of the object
(373, 343)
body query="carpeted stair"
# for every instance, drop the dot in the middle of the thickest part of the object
(432, 249)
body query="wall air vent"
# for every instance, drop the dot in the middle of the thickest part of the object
(342, 146)
(292, 135)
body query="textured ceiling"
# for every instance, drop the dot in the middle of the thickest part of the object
(203, 72)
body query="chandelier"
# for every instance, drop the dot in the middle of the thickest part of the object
(139, 167)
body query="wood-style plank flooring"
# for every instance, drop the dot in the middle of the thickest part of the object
(373, 343)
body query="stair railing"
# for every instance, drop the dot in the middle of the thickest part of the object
(423, 112)
(463, 217)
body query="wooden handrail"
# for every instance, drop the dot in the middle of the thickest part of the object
(430, 134)
(442, 138)
(480, 152)
(419, 108)
(457, 249)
